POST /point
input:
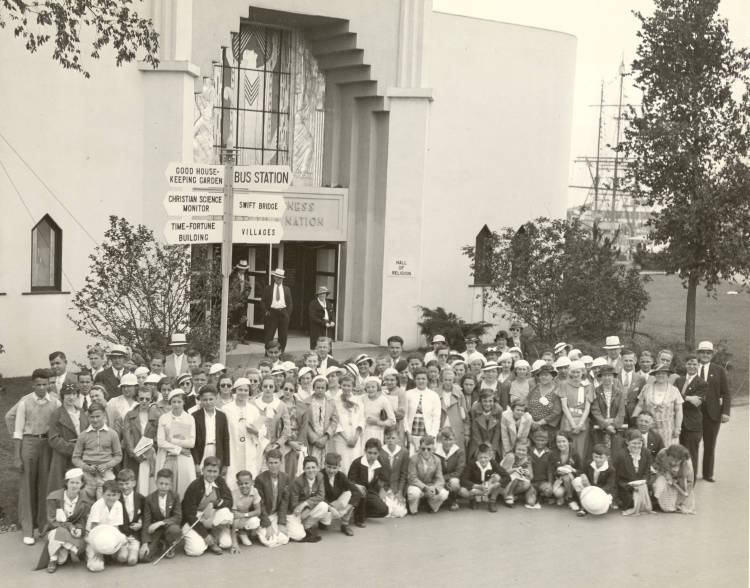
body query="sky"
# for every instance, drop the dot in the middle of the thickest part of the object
(606, 33)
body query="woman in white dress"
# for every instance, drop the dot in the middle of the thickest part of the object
(347, 441)
(175, 437)
(378, 410)
(245, 443)
(275, 412)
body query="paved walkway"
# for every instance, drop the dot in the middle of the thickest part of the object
(518, 547)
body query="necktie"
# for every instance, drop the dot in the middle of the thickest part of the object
(276, 295)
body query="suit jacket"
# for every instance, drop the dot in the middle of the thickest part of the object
(453, 463)
(70, 379)
(152, 512)
(170, 368)
(267, 507)
(62, 440)
(380, 479)
(317, 320)
(301, 491)
(473, 475)
(110, 381)
(55, 501)
(267, 299)
(625, 471)
(509, 434)
(718, 399)
(398, 468)
(221, 435)
(340, 485)
(655, 443)
(194, 494)
(616, 406)
(607, 478)
(692, 416)
(631, 393)
(138, 504)
(485, 429)
(425, 472)
(131, 434)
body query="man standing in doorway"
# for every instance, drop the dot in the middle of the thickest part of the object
(277, 308)
(716, 406)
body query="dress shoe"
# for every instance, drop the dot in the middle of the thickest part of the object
(52, 566)
(360, 524)
(492, 506)
(347, 530)
(709, 479)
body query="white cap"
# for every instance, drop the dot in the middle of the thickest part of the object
(522, 363)
(574, 354)
(128, 380)
(537, 364)
(598, 362)
(216, 368)
(705, 346)
(577, 365)
(153, 379)
(141, 371)
(561, 362)
(587, 359)
(74, 473)
(288, 366)
(175, 392)
(438, 339)
(241, 382)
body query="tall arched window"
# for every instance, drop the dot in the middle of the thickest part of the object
(46, 256)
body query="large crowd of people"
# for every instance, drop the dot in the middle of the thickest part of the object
(127, 462)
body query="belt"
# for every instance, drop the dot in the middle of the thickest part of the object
(210, 443)
(42, 436)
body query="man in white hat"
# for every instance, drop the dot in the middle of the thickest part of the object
(111, 376)
(716, 406)
(176, 362)
(613, 349)
(121, 405)
(320, 314)
(277, 308)
(438, 342)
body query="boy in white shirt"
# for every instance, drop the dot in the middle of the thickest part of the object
(107, 514)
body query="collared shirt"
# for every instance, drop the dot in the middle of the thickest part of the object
(178, 359)
(210, 428)
(483, 470)
(69, 504)
(162, 504)
(209, 487)
(703, 371)
(59, 381)
(34, 414)
(129, 504)
(627, 378)
(102, 515)
(370, 467)
(325, 310)
(597, 471)
(391, 454)
(277, 300)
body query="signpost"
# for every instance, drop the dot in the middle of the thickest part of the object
(223, 192)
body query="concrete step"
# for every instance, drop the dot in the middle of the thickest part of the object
(335, 44)
(345, 59)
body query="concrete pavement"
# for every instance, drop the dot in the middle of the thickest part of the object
(519, 547)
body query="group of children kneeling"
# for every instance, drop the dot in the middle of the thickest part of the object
(113, 522)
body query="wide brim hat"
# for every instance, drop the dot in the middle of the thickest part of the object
(278, 273)
(120, 350)
(563, 361)
(175, 392)
(241, 264)
(516, 325)
(705, 346)
(140, 371)
(303, 371)
(288, 366)
(537, 365)
(662, 369)
(364, 357)
(546, 368)
(322, 290)
(490, 365)
(612, 342)
(154, 379)
(562, 347)
(438, 339)
(597, 363)
(178, 339)
(182, 379)
(606, 369)
(240, 382)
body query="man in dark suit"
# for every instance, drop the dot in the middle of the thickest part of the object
(716, 406)
(277, 308)
(652, 441)
(162, 517)
(214, 439)
(110, 377)
(516, 339)
(240, 292)
(274, 487)
(320, 314)
(132, 517)
(58, 363)
(631, 382)
(693, 390)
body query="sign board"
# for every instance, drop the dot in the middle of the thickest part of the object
(187, 203)
(259, 205)
(315, 215)
(266, 178)
(400, 267)
(193, 232)
(195, 175)
(258, 231)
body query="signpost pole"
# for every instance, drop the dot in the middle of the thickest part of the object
(226, 249)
